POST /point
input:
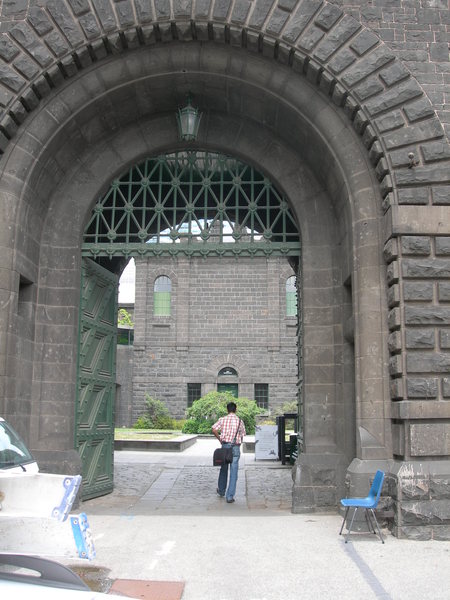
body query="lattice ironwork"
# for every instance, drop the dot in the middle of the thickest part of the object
(192, 202)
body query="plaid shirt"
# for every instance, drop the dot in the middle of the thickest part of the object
(228, 426)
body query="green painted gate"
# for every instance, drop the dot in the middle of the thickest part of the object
(94, 431)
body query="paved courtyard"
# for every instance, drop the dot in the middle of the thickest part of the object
(185, 482)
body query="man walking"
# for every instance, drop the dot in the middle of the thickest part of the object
(230, 431)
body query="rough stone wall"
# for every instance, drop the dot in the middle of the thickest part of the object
(419, 268)
(418, 34)
(224, 312)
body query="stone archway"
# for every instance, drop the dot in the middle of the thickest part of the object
(299, 148)
(278, 86)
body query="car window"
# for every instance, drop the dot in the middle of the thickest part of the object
(13, 451)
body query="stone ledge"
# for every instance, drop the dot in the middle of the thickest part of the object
(178, 444)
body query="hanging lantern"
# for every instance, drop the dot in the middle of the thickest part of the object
(188, 119)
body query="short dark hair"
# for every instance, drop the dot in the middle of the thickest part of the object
(231, 407)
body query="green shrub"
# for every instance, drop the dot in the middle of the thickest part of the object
(205, 426)
(143, 422)
(156, 416)
(190, 426)
(178, 424)
(164, 422)
(206, 410)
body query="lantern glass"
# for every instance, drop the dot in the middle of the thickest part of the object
(188, 119)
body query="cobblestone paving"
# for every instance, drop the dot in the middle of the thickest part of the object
(185, 483)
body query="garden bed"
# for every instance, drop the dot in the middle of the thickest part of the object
(152, 440)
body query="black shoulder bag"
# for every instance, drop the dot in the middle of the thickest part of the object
(224, 456)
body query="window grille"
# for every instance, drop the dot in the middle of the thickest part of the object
(262, 395)
(211, 202)
(194, 392)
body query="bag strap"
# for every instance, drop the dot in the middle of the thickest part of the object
(237, 431)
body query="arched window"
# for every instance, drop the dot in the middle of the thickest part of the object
(161, 296)
(228, 371)
(291, 297)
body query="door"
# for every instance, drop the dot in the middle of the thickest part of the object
(94, 431)
(228, 387)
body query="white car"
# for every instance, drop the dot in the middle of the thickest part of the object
(14, 455)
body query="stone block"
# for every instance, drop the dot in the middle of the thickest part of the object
(392, 274)
(425, 512)
(396, 393)
(393, 296)
(328, 16)
(441, 195)
(394, 73)
(345, 29)
(430, 439)
(440, 487)
(343, 59)
(298, 21)
(420, 109)
(446, 387)
(433, 315)
(105, 14)
(444, 292)
(364, 41)
(403, 92)
(394, 319)
(411, 487)
(89, 25)
(432, 173)
(413, 196)
(372, 62)
(202, 8)
(426, 269)
(417, 291)
(39, 20)
(442, 246)
(395, 342)
(421, 387)
(63, 18)
(420, 338)
(390, 250)
(433, 151)
(418, 245)
(424, 130)
(444, 339)
(277, 21)
(392, 120)
(395, 365)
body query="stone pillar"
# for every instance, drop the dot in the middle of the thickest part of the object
(418, 257)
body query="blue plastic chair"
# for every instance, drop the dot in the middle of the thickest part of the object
(368, 504)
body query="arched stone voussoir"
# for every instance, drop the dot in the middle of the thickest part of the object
(43, 46)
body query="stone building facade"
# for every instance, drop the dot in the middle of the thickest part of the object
(230, 330)
(344, 107)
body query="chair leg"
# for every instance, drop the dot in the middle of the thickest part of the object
(351, 524)
(378, 527)
(345, 518)
(370, 525)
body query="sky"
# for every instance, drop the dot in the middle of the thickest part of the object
(126, 283)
